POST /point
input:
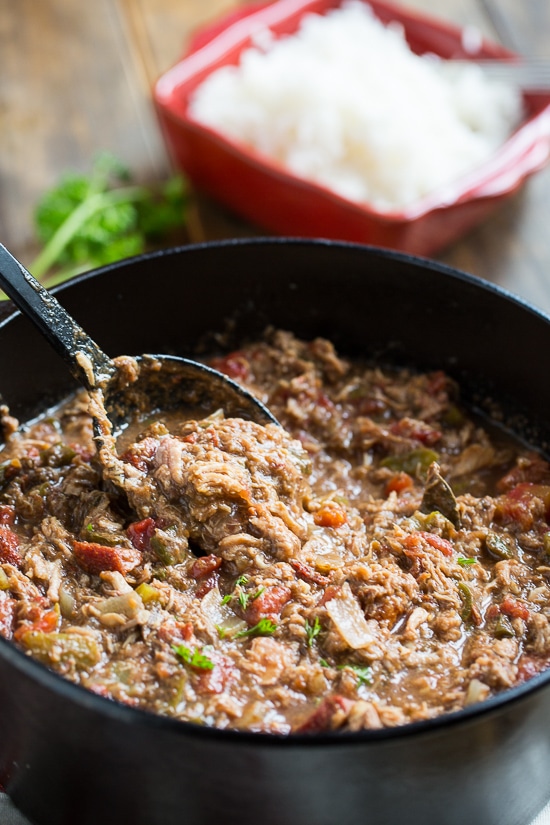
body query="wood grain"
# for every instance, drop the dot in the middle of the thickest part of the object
(70, 88)
(77, 77)
(512, 249)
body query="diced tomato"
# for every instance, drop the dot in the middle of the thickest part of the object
(509, 511)
(330, 515)
(304, 571)
(515, 609)
(48, 622)
(492, 611)
(9, 547)
(7, 515)
(398, 483)
(443, 545)
(528, 490)
(269, 603)
(411, 542)
(95, 558)
(332, 591)
(205, 565)
(519, 504)
(529, 666)
(207, 585)
(534, 470)
(175, 633)
(418, 430)
(328, 715)
(217, 679)
(235, 365)
(141, 532)
(38, 620)
(140, 455)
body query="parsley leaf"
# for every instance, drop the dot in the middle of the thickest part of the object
(265, 627)
(193, 658)
(363, 672)
(465, 562)
(243, 599)
(312, 630)
(91, 220)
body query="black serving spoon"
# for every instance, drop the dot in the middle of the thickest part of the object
(160, 382)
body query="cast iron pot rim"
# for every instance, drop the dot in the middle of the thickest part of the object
(375, 251)
(78, 695)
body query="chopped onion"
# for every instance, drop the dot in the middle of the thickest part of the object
(67, 603)
(477, 692)
(473, 458)
(220, 614)
(324, 564)
(319, 543)
(348, 618)
(128, 604)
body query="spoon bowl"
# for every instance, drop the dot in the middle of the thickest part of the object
(165, 382)
(126, 387)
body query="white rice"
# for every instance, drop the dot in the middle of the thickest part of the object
(345, 103)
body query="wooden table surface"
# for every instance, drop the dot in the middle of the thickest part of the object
(76, 79)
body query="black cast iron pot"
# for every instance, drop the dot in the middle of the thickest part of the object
(68, 757)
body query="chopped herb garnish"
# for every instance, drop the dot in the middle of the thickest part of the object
(324, 663)
(312, 630)
(465, 562)
(86, 221)
(243, 599)
(90, 527)
(193, 658)
(258, 592)
(221, 631)
(363, 672)
(265, 627)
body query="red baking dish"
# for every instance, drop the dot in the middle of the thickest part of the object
(263, 192)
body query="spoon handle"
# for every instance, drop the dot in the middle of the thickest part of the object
(88, 364)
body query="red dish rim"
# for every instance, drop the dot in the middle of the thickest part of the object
(524, 152)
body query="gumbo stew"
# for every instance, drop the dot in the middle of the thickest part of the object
(382, 558)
